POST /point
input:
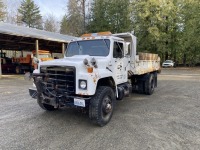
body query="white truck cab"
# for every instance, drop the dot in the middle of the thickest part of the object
(97, 70)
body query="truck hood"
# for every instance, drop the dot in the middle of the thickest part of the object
(76, 60)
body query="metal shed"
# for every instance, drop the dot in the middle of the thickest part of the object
(13, 37)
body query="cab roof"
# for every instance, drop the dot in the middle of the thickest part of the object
(99, 35)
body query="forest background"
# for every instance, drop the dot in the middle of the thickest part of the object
(170, 28)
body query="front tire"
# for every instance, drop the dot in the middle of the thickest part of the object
(102, 105)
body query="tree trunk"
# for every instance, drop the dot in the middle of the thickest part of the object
(176, 62)
(184, 59)
(166, 55)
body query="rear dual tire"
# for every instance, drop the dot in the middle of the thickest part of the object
(150, 84)
(147, 84)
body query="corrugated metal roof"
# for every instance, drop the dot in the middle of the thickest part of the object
(10, 29)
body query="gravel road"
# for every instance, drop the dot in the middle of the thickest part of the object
(169, 119)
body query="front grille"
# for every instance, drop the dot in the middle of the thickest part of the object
(60, 79)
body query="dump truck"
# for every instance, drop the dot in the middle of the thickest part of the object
(97, 70)
(25, 64)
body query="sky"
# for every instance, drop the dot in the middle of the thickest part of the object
(55, 7)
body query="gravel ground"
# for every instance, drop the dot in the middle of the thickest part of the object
(168, 119)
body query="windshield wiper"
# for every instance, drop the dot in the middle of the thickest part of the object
(79, 48)
(106, 44)
(78, 45)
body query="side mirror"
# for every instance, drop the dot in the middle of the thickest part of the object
(126, 48)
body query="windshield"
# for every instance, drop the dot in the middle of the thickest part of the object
(99, 47)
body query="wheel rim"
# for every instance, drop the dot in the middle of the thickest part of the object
(107, 107)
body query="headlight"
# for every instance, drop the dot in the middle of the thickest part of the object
(83, 84)
(93, 62)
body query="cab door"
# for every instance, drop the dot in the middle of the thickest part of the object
(118, 61)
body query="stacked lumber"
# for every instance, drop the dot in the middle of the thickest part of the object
(147, 56)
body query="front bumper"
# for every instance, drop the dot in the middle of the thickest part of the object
(167, 65)
(61, 101)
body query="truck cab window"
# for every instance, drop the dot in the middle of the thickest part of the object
(118, 50)
(97, 47)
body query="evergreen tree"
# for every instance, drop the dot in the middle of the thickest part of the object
(190, 39)
(82, 4)
(30, 14)
(99, 20)
(110, 15)
(156, 26)
(119, 16)
(64, 25)
(74, 24)
(170, 28)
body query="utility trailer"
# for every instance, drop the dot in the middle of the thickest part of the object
(97, 70)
